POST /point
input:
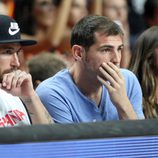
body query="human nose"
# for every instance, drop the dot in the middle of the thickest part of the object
(15, 60)
(116, 57)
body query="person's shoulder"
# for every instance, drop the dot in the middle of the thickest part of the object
(59, 75)
(64, 73)
(130, 78)
(5, 96)
(55, 80)
(60, 85)
(127, 73)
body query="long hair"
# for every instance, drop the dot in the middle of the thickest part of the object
(142, 64)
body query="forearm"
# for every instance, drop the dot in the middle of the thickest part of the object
(126, 111)
(96, 7)
(56, 33)
(38, 113)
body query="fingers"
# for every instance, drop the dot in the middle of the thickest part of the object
(116, 69)
(112, 70)
(19, 78)
(14, 79)
(110, 73)
(106, 76)
(106, 83)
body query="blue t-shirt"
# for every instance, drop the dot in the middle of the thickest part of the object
(66, 103)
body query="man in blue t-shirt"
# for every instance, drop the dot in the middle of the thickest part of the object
(94, 88)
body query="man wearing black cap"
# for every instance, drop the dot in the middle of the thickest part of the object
(19, 104)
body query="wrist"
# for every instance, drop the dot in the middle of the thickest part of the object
(126, 111)
(28, 99)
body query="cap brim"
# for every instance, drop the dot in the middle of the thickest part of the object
(21, 41)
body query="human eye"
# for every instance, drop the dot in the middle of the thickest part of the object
(7, 52)
(20, 51)
(120, 49)
(106, 50)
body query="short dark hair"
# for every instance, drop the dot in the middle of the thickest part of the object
(83, 31)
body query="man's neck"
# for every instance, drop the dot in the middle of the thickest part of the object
(91, 90)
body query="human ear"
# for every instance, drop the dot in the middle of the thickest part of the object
(77, 52)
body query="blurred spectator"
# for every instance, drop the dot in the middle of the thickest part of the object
(118, 11)
(151, 12)
(43, 21)
(43, 66)
(138, 6)
(136, 20)
(95, 7)
(144, 64)
(10, 7)
(3, 8)
(78, 9)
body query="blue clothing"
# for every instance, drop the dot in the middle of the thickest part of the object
(67, 104)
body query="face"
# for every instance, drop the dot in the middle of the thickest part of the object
(44, 12)
(9, 60)
(115, 10)
(78, 11)
(106, 49)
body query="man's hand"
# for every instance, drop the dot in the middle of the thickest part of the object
(113, 80)
(18, 83)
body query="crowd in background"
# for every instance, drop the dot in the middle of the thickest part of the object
(50, 22)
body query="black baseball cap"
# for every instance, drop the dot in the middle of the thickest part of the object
(10, 32)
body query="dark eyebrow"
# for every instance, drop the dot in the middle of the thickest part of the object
(105, 46)
(10, 48)
(122, 45)
(109, 46)
(7, 47)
